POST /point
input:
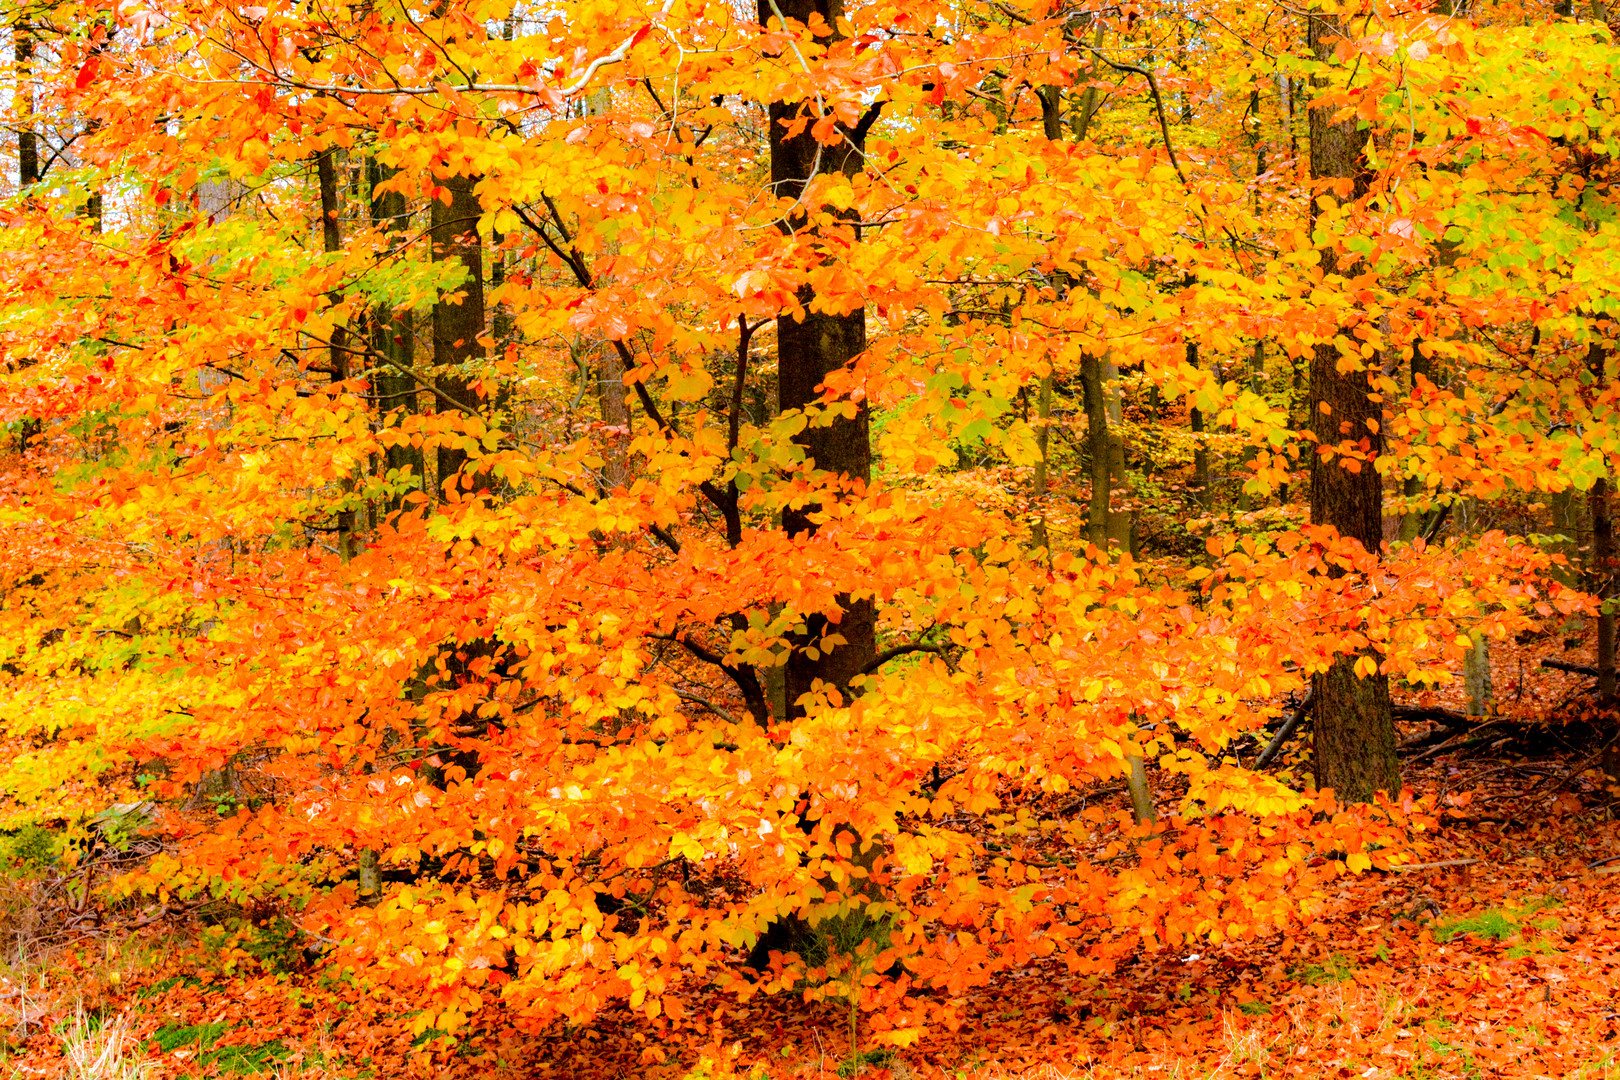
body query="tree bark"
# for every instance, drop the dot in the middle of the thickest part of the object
(1477, 693)
(458, 318)
(1257, 385)
(1051, 98)
(1195, 417)
(338, 355)
(1603, 566)
(1602, 571)
(393, 338)
(615, 415)
(1108, 528)
(1412, 522)
(1354, 734)
(809, 348)
(27, 138)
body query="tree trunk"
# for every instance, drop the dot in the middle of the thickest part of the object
(1051, 98)
(394, 339)
(1354, 737)
(22, 38)
(1412, 522)
(1108, 528)
(1477, 692)
(1602, 569)
(1080, 120)
(1096, 449)
(27, 163)
(338, 356)
(1257, 385)
(808, 349)
(1195, 417)
(458, 318)
(1603, 585)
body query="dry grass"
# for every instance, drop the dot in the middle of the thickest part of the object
(103, 1051)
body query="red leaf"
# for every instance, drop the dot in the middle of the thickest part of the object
(87, 74)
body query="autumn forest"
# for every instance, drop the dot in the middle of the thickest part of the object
(956, 538)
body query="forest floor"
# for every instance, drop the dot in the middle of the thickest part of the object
(1499, 957)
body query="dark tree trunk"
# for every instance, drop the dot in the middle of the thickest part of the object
(27, 137)
(1195, 418)
(338, 356)
(1354, 741)
(393, 336)
(1412, 522)
(1603, 566)
(458, 318)
(1051, 98)
(808, 349)
(1109, 529)
(1601, 570)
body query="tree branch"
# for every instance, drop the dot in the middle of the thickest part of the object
(901, 650)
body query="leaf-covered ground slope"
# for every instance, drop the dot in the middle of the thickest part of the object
(1496, 958)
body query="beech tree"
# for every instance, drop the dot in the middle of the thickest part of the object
(633, 488)
(1354, 734)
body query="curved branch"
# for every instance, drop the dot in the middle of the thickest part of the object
(902, 650)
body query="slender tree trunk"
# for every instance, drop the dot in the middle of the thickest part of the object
(1412, 521)
(1257, 386)
(808, 350)
(338, 371)
(1096, 448)
(1195, 417)
(610, 394)
(1257, 367)
(27, 138)
(27, 161)
(394, 339)
(367, 866)
(1354, 736)
(1477, 693)
(1043, 419)
(1136, 783)
(1108, 528)
(1601, 574)
(1119, 522)
(1051, 98)
(1603, 570)
(458, 318)
(1080, 120)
